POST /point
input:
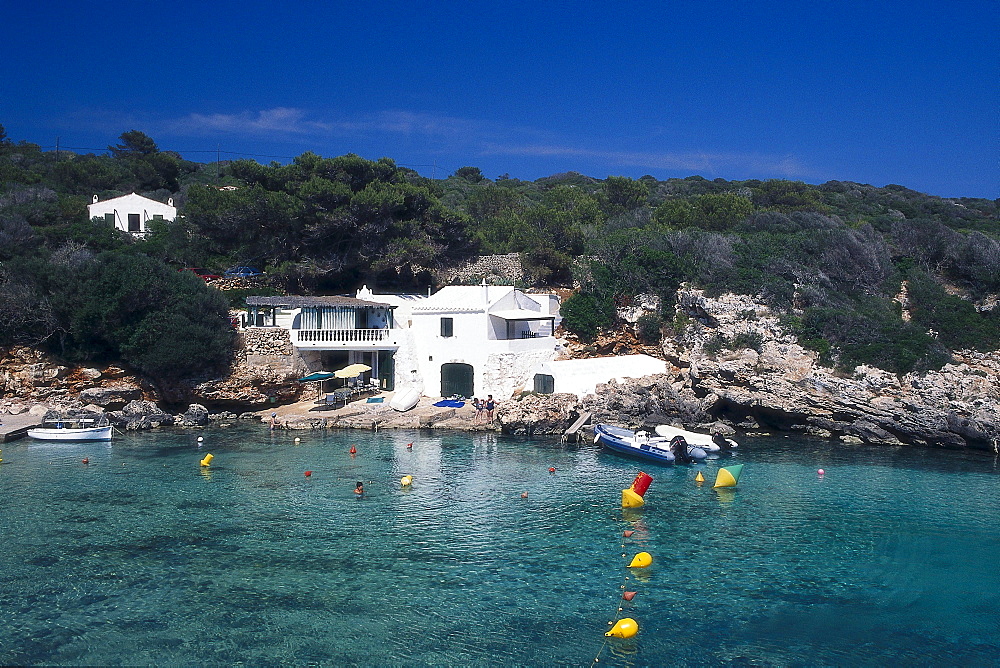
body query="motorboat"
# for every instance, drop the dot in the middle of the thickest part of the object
(635, 443)
(708, 442)
(72, 429)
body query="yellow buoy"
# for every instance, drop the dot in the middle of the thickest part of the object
(406, 480)
(699, 478)
(624, 628)
(631, 500)
(208, 459)
(641, 560)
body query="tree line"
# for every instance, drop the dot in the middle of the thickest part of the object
(831, 256)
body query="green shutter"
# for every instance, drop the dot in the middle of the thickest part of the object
(544, 383)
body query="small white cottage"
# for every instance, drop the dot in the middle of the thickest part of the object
(131, 213)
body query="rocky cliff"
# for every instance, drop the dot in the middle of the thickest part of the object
(775, 385)
(780, 386)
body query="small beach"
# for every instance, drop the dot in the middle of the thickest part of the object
(363, 413)
(145, 557)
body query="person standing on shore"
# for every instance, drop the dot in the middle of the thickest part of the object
(490, 406)
(478, 405)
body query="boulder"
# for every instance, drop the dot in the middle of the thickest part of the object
(139, 414)
(111, 397)
(536, 414)
(195, 416)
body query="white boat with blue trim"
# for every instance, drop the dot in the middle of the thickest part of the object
(72, 429)
(651, 448)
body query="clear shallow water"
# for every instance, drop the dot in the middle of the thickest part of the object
(144, 558)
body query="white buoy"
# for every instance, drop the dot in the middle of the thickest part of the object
(297, 439)
(200, 439)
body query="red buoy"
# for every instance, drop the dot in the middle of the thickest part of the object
(629, 595)
(409, 446)
(628, 533)
(552, 469)
(308, 473)
(641, 483)
(354, 450)
(86, 460)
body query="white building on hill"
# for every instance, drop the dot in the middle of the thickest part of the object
(131, 213)
(468, 341)
(463, 340)
(476, 340)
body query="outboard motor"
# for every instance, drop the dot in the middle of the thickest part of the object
(680, 448)
(720, 440)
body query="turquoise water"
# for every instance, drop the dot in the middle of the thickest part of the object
(142, 557)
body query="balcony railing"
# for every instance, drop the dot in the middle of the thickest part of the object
(322, 336)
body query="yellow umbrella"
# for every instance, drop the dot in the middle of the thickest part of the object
(352, 371)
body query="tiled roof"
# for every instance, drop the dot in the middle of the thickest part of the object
(299, 301)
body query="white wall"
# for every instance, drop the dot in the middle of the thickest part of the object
(147, 209)
(581, 377)
(500, 366)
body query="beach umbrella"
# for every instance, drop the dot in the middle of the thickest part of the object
(319, 375)
(352, 371)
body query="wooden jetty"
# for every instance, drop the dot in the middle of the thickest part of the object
(573, 433)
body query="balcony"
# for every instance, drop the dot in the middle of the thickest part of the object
(332, 339)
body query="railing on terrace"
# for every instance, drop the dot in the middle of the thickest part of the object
(340, 335)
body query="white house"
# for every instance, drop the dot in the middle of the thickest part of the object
(478, 340)
(329, 333)
(582, 376)
(463, 340)
(131, 213)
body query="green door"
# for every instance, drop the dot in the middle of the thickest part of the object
(387, 370)
(457, 380)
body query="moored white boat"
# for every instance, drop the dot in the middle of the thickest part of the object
(404, 400)
(707, 442)
(637, 444)
(72, 429)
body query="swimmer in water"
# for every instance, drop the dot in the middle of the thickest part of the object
(360, 489)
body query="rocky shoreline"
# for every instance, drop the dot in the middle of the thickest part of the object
(777, 386)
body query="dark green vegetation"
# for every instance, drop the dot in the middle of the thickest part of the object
(832, 256)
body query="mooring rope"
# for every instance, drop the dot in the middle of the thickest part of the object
(618, 615)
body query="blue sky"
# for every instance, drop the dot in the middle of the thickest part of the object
(874, 92)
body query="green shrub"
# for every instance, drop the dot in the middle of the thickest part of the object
(715, 344)
(648, 328)
(751, 340)
(584, 314)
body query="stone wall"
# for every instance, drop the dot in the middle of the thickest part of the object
(496, 269)
(507, 372)
(267, 341)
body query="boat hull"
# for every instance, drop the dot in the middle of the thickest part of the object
(69, 434)
(404, 400)
(625, 442)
